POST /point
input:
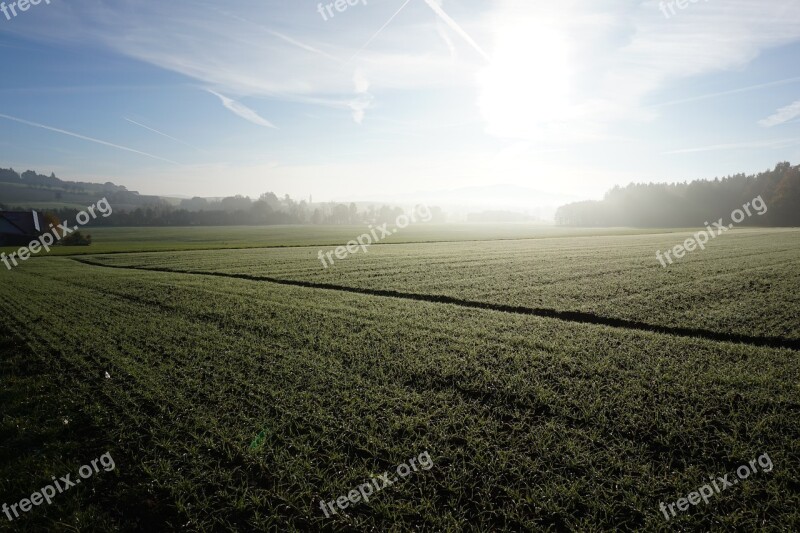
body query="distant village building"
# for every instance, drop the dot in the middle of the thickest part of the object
(18, 228)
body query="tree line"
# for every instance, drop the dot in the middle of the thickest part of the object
(241, 211)
(32, 179)
(692, 204)
(141, 210)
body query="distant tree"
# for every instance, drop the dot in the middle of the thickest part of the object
(236, 203)
(437, 215)
(301, 212)
(52, 220)
(8, 175)
(76, 239)
(341, 214)
(385, 214)
(271, 200)
(194, 204)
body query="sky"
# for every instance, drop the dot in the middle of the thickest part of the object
(389, 97)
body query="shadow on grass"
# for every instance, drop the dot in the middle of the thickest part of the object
(45, 432)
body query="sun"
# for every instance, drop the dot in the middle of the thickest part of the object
(525, 89)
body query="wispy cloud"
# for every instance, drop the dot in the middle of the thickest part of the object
(775, 143)
(607, 59)
(729, 92)
(302, 46)
(363, 101)
(285, 38)
(296, 55)
(242, 110)
(782, 115)
(160, 133)
(562, 74)
(85, 138)
(440, 29)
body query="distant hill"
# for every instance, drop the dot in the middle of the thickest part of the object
(38, 191)
(64, 199)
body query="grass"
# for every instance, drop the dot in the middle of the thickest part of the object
(743, 284)
(122, 240)
(241, 403)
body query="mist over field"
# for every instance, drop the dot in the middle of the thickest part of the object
(413, 265)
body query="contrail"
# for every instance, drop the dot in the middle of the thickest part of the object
(444, 16)
(161, 133)
(456, 28)
(85, 138)
(300, 45)
(376, 34)
(286, 38)
(725, 93)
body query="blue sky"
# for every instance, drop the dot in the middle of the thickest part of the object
(246, 96)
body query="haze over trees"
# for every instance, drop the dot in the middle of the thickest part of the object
(692, 204)
(636, 205)
(28, 189)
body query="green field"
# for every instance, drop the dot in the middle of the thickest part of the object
(560, 380)
(120, 240)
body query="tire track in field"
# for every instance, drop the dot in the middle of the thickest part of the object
(579, 317)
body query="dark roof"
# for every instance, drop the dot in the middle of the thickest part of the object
(19, 223)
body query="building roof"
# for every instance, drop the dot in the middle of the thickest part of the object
(21, 223)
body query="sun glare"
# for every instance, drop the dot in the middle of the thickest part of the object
(526, 85)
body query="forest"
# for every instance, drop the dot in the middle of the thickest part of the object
(677, 205)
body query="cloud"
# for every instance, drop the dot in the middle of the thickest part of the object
(282, 36)
(775, 143)
(782, 115)
(85, 138)
(362, 102)
(242, 110)
(616, 56)
(440, 29)
(229, 50)
(302, 46)
(612, 58)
